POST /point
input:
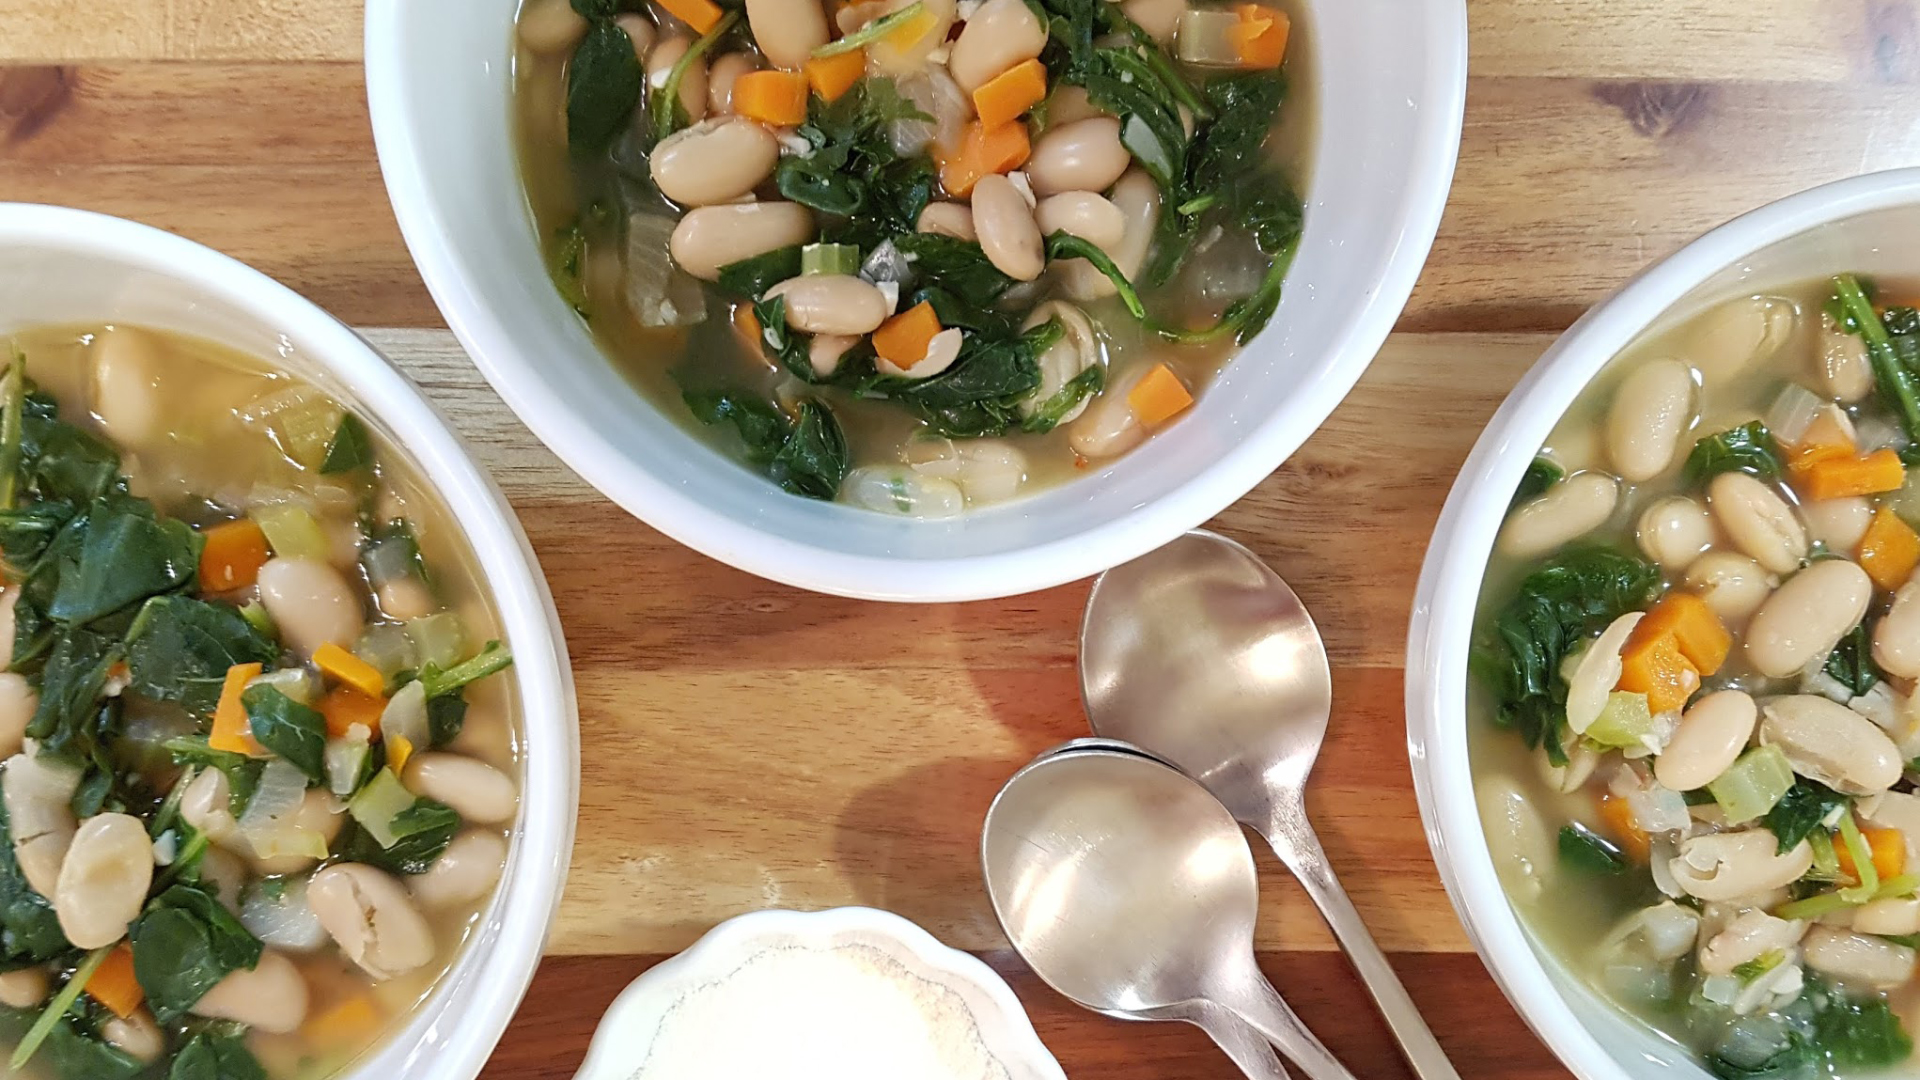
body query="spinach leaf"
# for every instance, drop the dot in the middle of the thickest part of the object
(446, 715)
(1056, 408)
(761, 426)
(208, 1056)
(1571, 597)
(422, 832)
(1857, 1033)
(1767, 1050)
(70, 1053)
(243, 772)
(850, 149)
(1587, 851)
(26, 533)
(603, 86)
(597, 9)
(566, 262)
(663, 102)
(183, 944)
(814, 460)
(70, 688)
(961, 268)
(1802, 810)
(1748, 448)
(179, 649)
(29, 930)
(779, 343)
(1851, 662)
(752, 277)
(1898, 383)
(351, 448)
(288, 728)
(981, 394)
(66, 463)
(490, 659)
(127, 555)
(1244, 108)
(1541, 474)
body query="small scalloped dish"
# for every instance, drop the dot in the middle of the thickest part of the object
(639, 1019)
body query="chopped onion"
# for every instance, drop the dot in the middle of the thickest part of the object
(1792, 413)
(291, 531)
(405, 717)
(345, 758)
(1206, 37)
(659, 293)
(383, 799)
(269, 823)
(275, 910)
(1877, 433)
(301, 421)
(389, 649)
(1721, 989)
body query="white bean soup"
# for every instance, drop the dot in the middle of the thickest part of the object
(915, 255)
(259, 754)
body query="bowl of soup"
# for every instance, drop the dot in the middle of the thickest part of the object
(1663, 721)
(916, 299)
(289, 745)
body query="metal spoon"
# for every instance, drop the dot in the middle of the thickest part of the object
(1200, 654)
(1127, 888)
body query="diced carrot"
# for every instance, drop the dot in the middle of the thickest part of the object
(775, 98)
(1260, 37)
(1829, 436)
(1840, 477)
(903, 339)
(231, 732)
(350, 669)
(345, 706)
(233, 555)
(832, 76)
(1656, 667)
(1889, 848)
(398, 751)
(983, 152)
(699, 14)
(1699, 634)
(1619, 818)
(112, 983)
(1890, 550)
(1159, 397)
(1007, 96)
(344, 1025)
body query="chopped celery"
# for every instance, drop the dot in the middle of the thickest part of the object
(383, 799)
(1829, 902)
(1752, 785)
(1206, 37)
(300, 420)
(389, 648)
(1860, 853)
(1760, 965)
(1826, 865)
(256, 615)
(346, 759)
(439, 640)
(1625, 721)
(829, 259)
(291, 531)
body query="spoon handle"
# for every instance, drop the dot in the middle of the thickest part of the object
(1294, 841)
(1247, 1047)
(1261, 1006)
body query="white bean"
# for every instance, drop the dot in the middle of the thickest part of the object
(1837, 523)
(1084, 214)
(371, 918)
(787, 31)
(271, 997)
(948, 219)
(710, 237)
(38, 792)
(1159, 18)
(1008, 234)
(720, 79)
(1857, 958)
(1582, 760)
(1597, 672)
(1065, 104)
(897, 489)
(311, 604)
(1000, 34)
(1845, 372)
(1137, 198)
(1567, 511)
(1651, 410)
(1710, 737)
(1896, 639)
(987, 470)
(1675, 531)
(825, 351)
(126, 385)
(1109, 428)
(1086, 155)
(1758, 520)
(832, 304)
(1733, 585)
(693, 81)
(406, 598)
(18, 701)
(463, 874)
(551, 26)
(136, 1036)
(24, 988)
(1077, 350)
(1828, 742)
(1806, 617)
(1891, 916)
(103, 880)
(1517, 837)
(1750, 936)
(1724, 342)
(477, 790)
(1730, 865)
(206, 805)
(714, 161)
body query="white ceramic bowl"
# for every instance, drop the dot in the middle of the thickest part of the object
(1869, 224)
(68, 266)
(1388, 81)
(632, 1022)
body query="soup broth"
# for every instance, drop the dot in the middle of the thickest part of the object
(1696, 715)
(1045, 383)
(253, 707)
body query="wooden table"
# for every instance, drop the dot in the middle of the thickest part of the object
(748, 745)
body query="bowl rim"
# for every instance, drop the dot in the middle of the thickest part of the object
(541, 841)
(1440, 631)
(680, 514)
(1008, 1029)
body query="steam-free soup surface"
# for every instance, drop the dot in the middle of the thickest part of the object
(1696, 717)
(848, 241)
(258, 742)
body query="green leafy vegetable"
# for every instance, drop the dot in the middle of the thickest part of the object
(288, 728)
(961, 268)
(1899, 384)
(852, 160)
(183, 944)
(752, 277)
(70, 689)
(604, 80)
(52, 1019)
(446, 715)
(489, 660)
(179, 649)
(127, 555)
(421, 834)
(1589, 852)
(1541, 474)
(1748, 448)
(1055, 409)
(29, 931)
(566, 262)
(1067, 246)
(208, 1056)
(1851, 662)
(1760, 965)
(806, 456)
(351, 448)
(780, 344)
(1804, 808)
